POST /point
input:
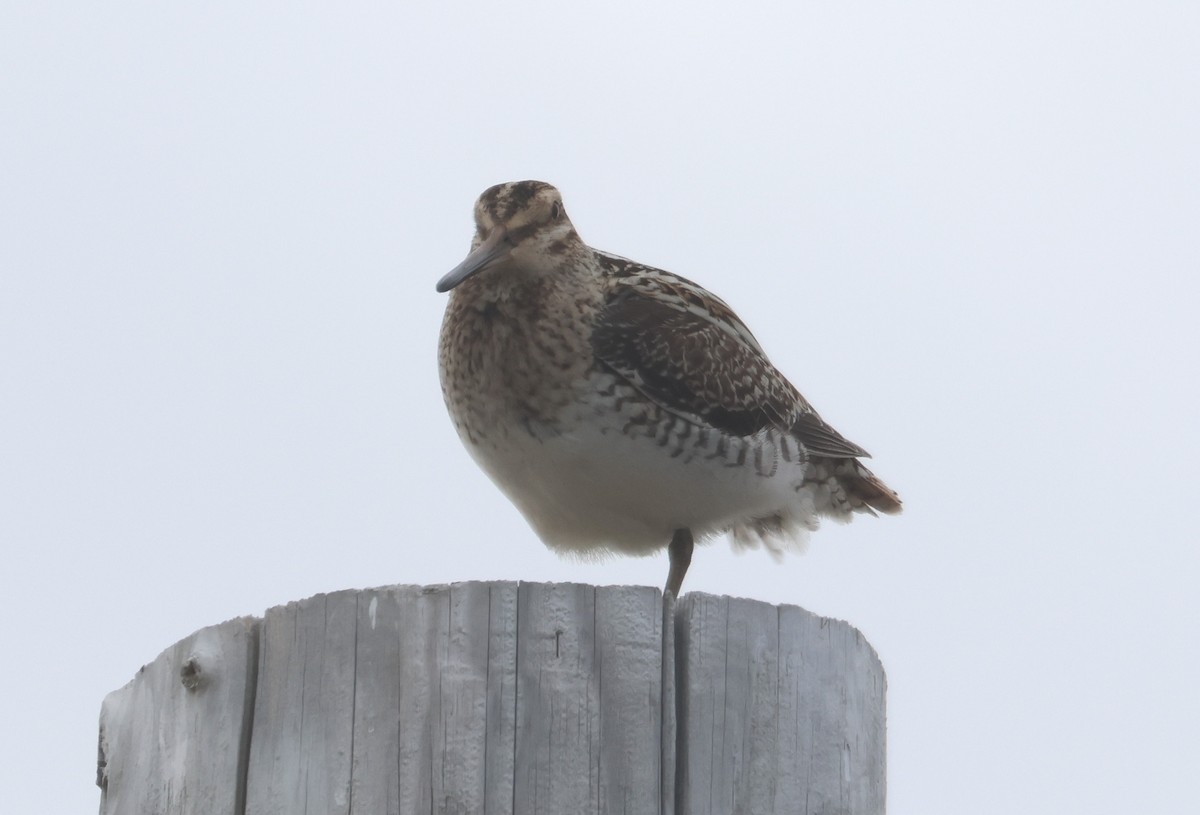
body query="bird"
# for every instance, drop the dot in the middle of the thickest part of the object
(623, 408)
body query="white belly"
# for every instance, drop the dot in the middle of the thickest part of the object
(594, 489)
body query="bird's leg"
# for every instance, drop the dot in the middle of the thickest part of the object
(680, 554)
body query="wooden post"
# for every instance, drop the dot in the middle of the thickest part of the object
(503, 699)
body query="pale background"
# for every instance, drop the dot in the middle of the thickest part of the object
(967, 231)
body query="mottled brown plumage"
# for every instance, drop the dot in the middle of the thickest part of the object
(624, 408)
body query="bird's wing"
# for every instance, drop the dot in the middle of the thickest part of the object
(688, 352)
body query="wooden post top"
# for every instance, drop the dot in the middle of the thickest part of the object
(503, 698)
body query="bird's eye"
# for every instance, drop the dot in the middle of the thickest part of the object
(555, 211)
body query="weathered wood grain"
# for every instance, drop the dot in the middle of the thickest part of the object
(670, 708)
(781, 711)
(589, 697)
(301, 741)
(435, 699)
(173, 741)
(832, 695)
(375, 785)
(629, 656)
(504, 699)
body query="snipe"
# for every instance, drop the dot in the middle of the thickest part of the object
(623, 408)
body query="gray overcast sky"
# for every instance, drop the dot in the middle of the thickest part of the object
(966, 231)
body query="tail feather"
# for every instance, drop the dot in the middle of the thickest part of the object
(844, 486)
(866, 487)
(833, 487)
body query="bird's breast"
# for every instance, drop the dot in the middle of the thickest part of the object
(511, 366)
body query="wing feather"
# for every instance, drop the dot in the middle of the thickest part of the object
(688, 352)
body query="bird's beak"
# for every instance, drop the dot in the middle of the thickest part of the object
(492, 251)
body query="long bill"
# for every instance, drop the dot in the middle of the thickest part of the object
(489, 253)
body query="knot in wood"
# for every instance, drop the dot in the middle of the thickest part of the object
(190, 673)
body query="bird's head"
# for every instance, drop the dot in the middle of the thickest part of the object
(520, 224)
